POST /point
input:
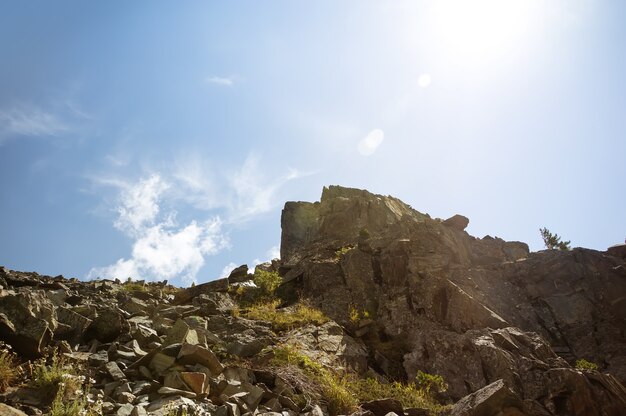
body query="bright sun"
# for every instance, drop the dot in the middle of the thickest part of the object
(476, 31)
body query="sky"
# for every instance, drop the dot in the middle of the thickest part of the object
(160, 140)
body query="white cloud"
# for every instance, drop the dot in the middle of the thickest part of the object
(30, 121)
(368, 145)
(223, 81)
(424, 80)
(165, 253)
(138, 206)
(254, 194)
(162, 249)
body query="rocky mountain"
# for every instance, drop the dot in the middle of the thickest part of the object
(374, 308)
(475, 310)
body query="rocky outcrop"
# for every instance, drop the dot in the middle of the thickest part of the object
(408, 294)
(151, 349)
(475, 310)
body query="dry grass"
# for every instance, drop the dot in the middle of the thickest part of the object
(285, 319)
(312, 378)
(342, 392)
(8, 371)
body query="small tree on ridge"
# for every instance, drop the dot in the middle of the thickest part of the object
(553, 241)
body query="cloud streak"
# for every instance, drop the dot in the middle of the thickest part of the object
(221, 81)
(30, 121)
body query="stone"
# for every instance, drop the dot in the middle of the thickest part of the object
(27, 322)
(494, 399)
(195, 354)
(125, 397)
(173, 380)
(141, 387)
(458, 222)
(168, 391)
(177, 334)
(78, 324)
(139, 411)
(383, 406)
(107, 325)
(618, 250)
(197, 382)
(186, 295)
(125, 410)
(108, 407)
(135, 306)
(6, 410)
(214, 303)
(134, 346)
(161, 362)
(239, 274)
(114, 370)
(98, 359)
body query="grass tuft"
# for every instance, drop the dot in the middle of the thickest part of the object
(8, 372)
(342, 392)
(286, 319)
(583, 364)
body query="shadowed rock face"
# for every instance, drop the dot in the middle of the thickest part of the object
(445, 302)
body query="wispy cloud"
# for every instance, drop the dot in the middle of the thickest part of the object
(370, 143)
(223, 81)
(162, 249)
(30, 121)
(254, 194)
(139, 207)
(55, 118)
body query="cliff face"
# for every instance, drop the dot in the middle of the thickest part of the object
(425, 295)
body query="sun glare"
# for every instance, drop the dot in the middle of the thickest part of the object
(477, 31)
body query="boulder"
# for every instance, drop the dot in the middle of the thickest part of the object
(27, 322)
(618, 250)
(186, 295)
(383, 406)
(458, 222)
(493, 399)
(107, 325)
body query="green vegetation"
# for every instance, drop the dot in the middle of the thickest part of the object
(59, 381)
(343, 250)
(553, 241)
(316, 380)
(77, 407)
(7, 370)
(583, 364)
(47, 377)
(267, 282)
(355, 315)
(131, 286)
(263, 290)
(282, 320)
(343, 392)
(430, 382)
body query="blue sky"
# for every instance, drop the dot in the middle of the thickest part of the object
(160, 139)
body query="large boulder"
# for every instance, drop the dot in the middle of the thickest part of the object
(27, 321)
